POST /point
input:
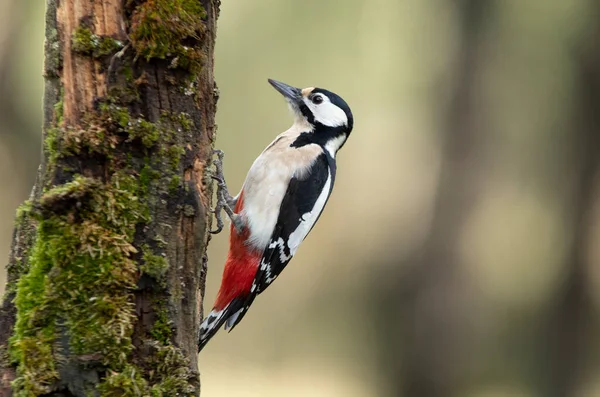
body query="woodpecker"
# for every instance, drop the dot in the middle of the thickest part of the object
(281, 199)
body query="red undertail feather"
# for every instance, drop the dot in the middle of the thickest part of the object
(240, 267)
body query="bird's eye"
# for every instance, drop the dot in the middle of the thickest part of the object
(317, 99)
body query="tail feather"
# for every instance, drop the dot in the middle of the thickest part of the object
(209, 327)
(232, 320)
(229, 316)
(235, 295)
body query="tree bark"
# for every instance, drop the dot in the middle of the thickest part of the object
(107, 266)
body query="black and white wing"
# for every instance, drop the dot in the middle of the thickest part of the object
(300, 209)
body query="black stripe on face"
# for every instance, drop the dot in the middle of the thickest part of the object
(306, 112)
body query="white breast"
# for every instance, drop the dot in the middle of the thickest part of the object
(268, 180)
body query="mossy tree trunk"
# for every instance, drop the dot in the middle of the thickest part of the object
(106, 270)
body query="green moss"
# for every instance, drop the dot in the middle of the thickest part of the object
(147, 176)
(93, 139)
(59, 107)
(170, 376)
(107, 46)
(23, 211)
(82, 269)
(162, 328)
(85, 42)
(160, 240)
(37, 370)
(53, 134)
(182, 120)
(156, 266)
(51, 144)
(102, 133)
(126, 89)
(159, 28)
(135, 128)
(125, 383)
(81, 276)
(59, 197)
(145, 131)
(118, 114)
(174, 183)
(174, 153)
(186, 122)
(31, 345)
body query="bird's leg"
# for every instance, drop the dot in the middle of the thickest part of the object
(224, 200)
(220, 178)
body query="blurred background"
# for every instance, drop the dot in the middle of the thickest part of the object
(456, 256)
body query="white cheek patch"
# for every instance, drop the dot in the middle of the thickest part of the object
(327, 113)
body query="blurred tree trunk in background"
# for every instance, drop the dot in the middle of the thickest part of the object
(570, 330)
(105, 275)
(427, 320)
(441, 299)
(432, 307)
(14, 131)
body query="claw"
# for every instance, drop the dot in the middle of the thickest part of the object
(218, 230)
(224, 200)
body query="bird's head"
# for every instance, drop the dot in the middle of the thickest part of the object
(321, 108)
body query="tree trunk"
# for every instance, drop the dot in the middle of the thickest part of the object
(424, 316)
(572, 322)
(438, 345)
(106, 271)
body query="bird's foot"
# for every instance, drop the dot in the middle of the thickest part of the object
(224, 200)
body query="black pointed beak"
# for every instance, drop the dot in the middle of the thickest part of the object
(291, 93)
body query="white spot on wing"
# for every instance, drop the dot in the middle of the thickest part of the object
(281, 244)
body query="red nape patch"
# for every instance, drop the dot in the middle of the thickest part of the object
(241, 265)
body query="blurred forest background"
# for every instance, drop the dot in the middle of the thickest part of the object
(457, 254)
